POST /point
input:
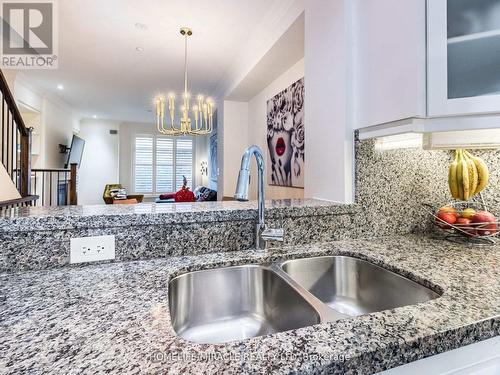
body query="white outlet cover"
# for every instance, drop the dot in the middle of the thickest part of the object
(92, 249)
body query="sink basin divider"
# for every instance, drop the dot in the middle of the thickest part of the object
(326, 313)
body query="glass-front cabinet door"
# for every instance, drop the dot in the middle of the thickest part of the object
(463, 57)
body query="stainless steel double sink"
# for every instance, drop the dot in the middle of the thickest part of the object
(234, 303)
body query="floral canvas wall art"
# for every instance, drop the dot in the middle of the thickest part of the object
(285, 137)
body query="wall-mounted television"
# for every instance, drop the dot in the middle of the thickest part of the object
(75, 152)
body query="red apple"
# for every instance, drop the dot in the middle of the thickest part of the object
(464, 224)
(485, 223)
(446, 217)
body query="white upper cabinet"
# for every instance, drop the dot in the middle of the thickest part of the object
(389, 60)
(425, 65)
(463, 57)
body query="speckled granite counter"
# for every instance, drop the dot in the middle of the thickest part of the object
(114, 317)
(101, 216)
(39, 237)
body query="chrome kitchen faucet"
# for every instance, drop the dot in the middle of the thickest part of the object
(262, 233)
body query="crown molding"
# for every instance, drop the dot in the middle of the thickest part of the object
(273, 25)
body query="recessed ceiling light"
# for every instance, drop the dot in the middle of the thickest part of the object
(95, 116)
(60, 87)
(139, 49)
(141, 26)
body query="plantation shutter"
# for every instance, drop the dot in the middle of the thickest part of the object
(184, 162)
(143, 164)
(161, 162)
(164, 165)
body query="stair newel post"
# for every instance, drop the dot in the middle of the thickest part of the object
(73, 198)
(25, 163)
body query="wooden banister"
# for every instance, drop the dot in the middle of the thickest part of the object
(15, 136)
(12, 106)
(73, 197)
(25, 165)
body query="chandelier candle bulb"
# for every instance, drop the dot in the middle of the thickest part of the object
(171, 109)
(158, 105)
(195, 114)
(158, 109)
(171, 103)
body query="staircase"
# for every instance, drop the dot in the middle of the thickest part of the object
(35, 186)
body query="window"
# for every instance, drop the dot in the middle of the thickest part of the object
(183, 161)
(143, 165)
(161, 162)
(165, 164)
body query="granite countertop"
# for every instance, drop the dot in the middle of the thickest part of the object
(115, 317)
(98, 216)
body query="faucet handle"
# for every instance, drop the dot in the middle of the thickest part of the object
(273, 234)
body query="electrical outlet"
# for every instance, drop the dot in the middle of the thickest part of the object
(92, 249)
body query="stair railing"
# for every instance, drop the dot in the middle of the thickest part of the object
(52, 186)
(15, 141)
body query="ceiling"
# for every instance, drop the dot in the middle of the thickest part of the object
(104, 75)
(284, 53)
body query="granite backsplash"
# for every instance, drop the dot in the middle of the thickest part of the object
(396, 187)
(392, 187)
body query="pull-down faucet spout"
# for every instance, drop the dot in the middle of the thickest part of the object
(262, 233)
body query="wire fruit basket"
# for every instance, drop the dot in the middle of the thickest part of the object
(467, 228)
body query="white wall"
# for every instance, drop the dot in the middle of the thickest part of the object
(10, 77)
(26, 93)
(8, 190)
(100, 161)
(257, 129)
(328, 132)
(201, 155)
(58, 122)
(214, 185)
(235, 139)
(220, 150)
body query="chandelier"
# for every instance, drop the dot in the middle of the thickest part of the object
(199, 122)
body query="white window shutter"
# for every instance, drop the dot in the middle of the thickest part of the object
(143, 164)
(164, 165)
